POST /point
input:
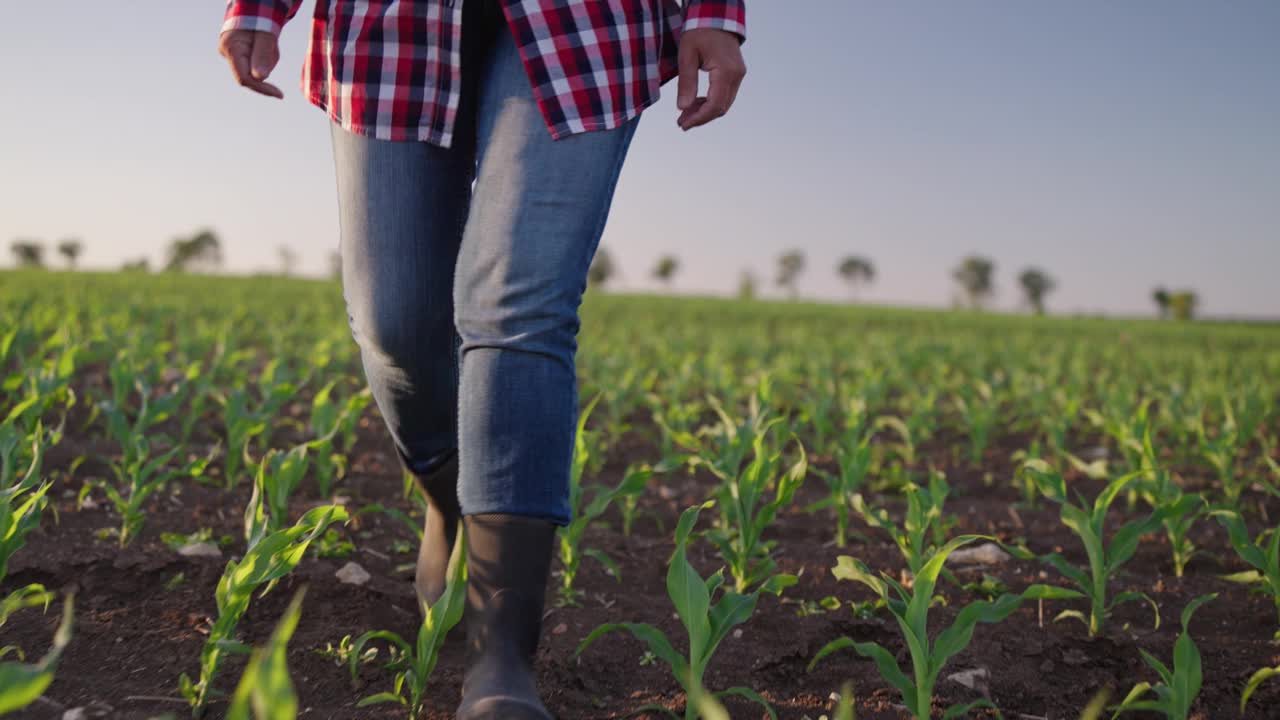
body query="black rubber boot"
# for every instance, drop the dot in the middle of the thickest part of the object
(439, 529)
(508, 559)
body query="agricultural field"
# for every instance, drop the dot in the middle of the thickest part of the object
(908, 511)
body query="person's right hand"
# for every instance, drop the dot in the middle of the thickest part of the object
(252, 54)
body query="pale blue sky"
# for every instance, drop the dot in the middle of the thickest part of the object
(1116, 145)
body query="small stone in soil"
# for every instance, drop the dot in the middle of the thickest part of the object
(975, 679)
(200, 549)
(1074, 656)
(985, 554)
(352, 574)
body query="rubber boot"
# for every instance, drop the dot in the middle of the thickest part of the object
(508, 559)
(439, 529)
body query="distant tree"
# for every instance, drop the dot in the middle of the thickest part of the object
(747, 285)
(1035, 285)
(70, 249)
(288, 259)
(1183, 304)
(790, 265)
(666, 268)
(27, 253)
(202, 250)
(602, 268)
(139, 265)
(856, 270)
(1161, 298)
(335, 265)
(975, 276)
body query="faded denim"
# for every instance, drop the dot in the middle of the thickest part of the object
(464, 300)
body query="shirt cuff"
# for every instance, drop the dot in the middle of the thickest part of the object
(727, 15)
(252, 22)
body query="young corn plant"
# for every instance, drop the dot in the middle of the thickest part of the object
(139, 475)
(706, 623)
(272, 557)
(279, 474)
(980, 412)
(922, 528)
(1263, 553)
(1262, 675)
(332, 422)
(1178, 687)
(21, 505)
(1181, 510)
(414, 663)
(247, 417)
(854, 457)
(571, 550)
(911, 610)
(22, 684)
(746, 511)
(1088, 522)
(265, 691)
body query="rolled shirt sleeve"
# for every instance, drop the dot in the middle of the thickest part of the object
(264, 15)
(730, 15)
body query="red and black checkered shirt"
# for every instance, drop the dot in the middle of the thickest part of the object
(390, 69)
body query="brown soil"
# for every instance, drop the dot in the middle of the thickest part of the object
(134, 635)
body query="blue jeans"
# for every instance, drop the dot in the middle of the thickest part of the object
(464, 302)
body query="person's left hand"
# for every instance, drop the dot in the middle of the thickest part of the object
(717, 52)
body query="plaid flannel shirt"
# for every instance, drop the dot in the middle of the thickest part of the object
(390, 69)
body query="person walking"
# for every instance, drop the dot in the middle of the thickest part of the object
(477, 145)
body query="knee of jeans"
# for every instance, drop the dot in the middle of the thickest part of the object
(542, 322)
(397, 335)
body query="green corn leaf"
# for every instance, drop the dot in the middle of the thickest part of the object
(956, 711)
(687, 589)
(1262, 675)
(21, 684)
(651, 636)
(600, 557)
(751, 695)
(265, 691)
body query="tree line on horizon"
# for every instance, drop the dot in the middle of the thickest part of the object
(974, 275)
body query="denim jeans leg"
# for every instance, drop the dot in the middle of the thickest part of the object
(401, 210)
(537, 213)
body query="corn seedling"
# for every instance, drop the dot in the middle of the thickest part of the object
(571, 550)
(1180, 510)
(279, 474)
(1256, 679)
(911, 610)
(854, 457)
(273, 556)
(1263, 553)
(20, 508)
(415, 662)
(922, 525)
(1178, 687)
(707, 624)
(22, 684)
(33, 595)
(746, 512)
(265, 691)
(139, 476)
(1089, 524)
(979, 411)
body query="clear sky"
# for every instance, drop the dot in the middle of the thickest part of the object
(1116, 145)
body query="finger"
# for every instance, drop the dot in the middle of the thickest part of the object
(719, 95)
(688, 62)
(264, 56)
(683, 120)
(238, 56)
